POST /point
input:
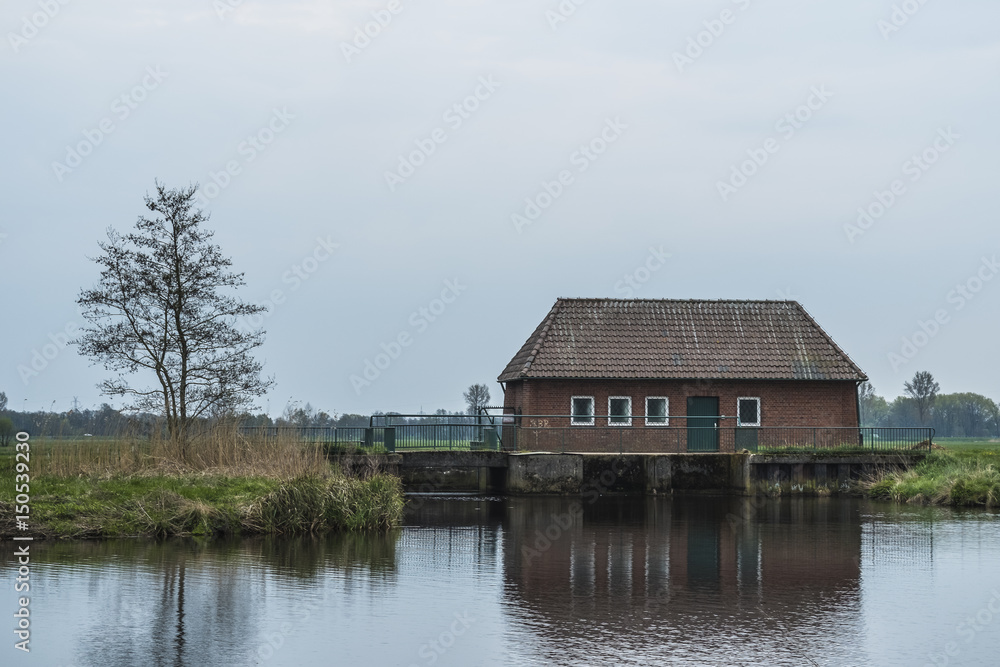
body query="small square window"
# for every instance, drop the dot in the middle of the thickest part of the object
(656, 411)
(582, 409)
(619, 411)
(748, 411)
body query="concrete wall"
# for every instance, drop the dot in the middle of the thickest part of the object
(816, 474)
(544, 473)
(589, 474)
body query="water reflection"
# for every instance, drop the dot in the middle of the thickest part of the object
(189, 602)
(651, 573)
(685, 580)
(624, 547)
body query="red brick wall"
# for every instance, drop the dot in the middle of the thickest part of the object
(782, 402)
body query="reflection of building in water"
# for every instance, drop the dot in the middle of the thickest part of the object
(680, 556)
(459, 533)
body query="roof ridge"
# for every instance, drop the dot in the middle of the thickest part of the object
(608, 298)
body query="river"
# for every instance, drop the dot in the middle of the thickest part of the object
(472, 580)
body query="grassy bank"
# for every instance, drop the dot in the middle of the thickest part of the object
(220, 484)
(161, 506)
(961, 477)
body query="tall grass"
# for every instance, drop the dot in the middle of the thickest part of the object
(220, 449)
(221, 482)
(962, 479)
(303, 506)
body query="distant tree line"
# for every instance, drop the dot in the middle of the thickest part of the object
(964, 414)
(107, 421)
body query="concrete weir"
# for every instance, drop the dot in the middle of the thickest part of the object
(525, 473)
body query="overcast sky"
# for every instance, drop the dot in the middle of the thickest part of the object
(356, 178)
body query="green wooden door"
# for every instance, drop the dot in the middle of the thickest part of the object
(703, 423)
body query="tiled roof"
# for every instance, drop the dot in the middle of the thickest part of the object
(680, 339)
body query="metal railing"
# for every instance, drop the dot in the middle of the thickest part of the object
(335, 435)
(412, 432)
(401, 437)
(677, 439)
(500, 436)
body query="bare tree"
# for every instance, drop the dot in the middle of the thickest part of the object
(3, 401)
(923, 390)
(476, 397)
(164, 307)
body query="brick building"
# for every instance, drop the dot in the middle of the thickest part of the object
(696, 371)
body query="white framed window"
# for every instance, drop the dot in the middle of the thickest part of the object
(657, 409)
(619, 410)
(582, 409)
(748, 411)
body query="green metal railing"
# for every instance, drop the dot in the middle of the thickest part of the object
(334, 435)
(447, 436)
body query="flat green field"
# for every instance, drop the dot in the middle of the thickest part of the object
(969, 444)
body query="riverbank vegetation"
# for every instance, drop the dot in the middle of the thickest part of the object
(222, 483)
(958, 477)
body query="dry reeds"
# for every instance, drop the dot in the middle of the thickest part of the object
(221, 482)
(220, 449)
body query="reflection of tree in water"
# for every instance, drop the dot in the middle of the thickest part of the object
(685, 576)
(188, 602)
(168, 625)
(307, 557)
